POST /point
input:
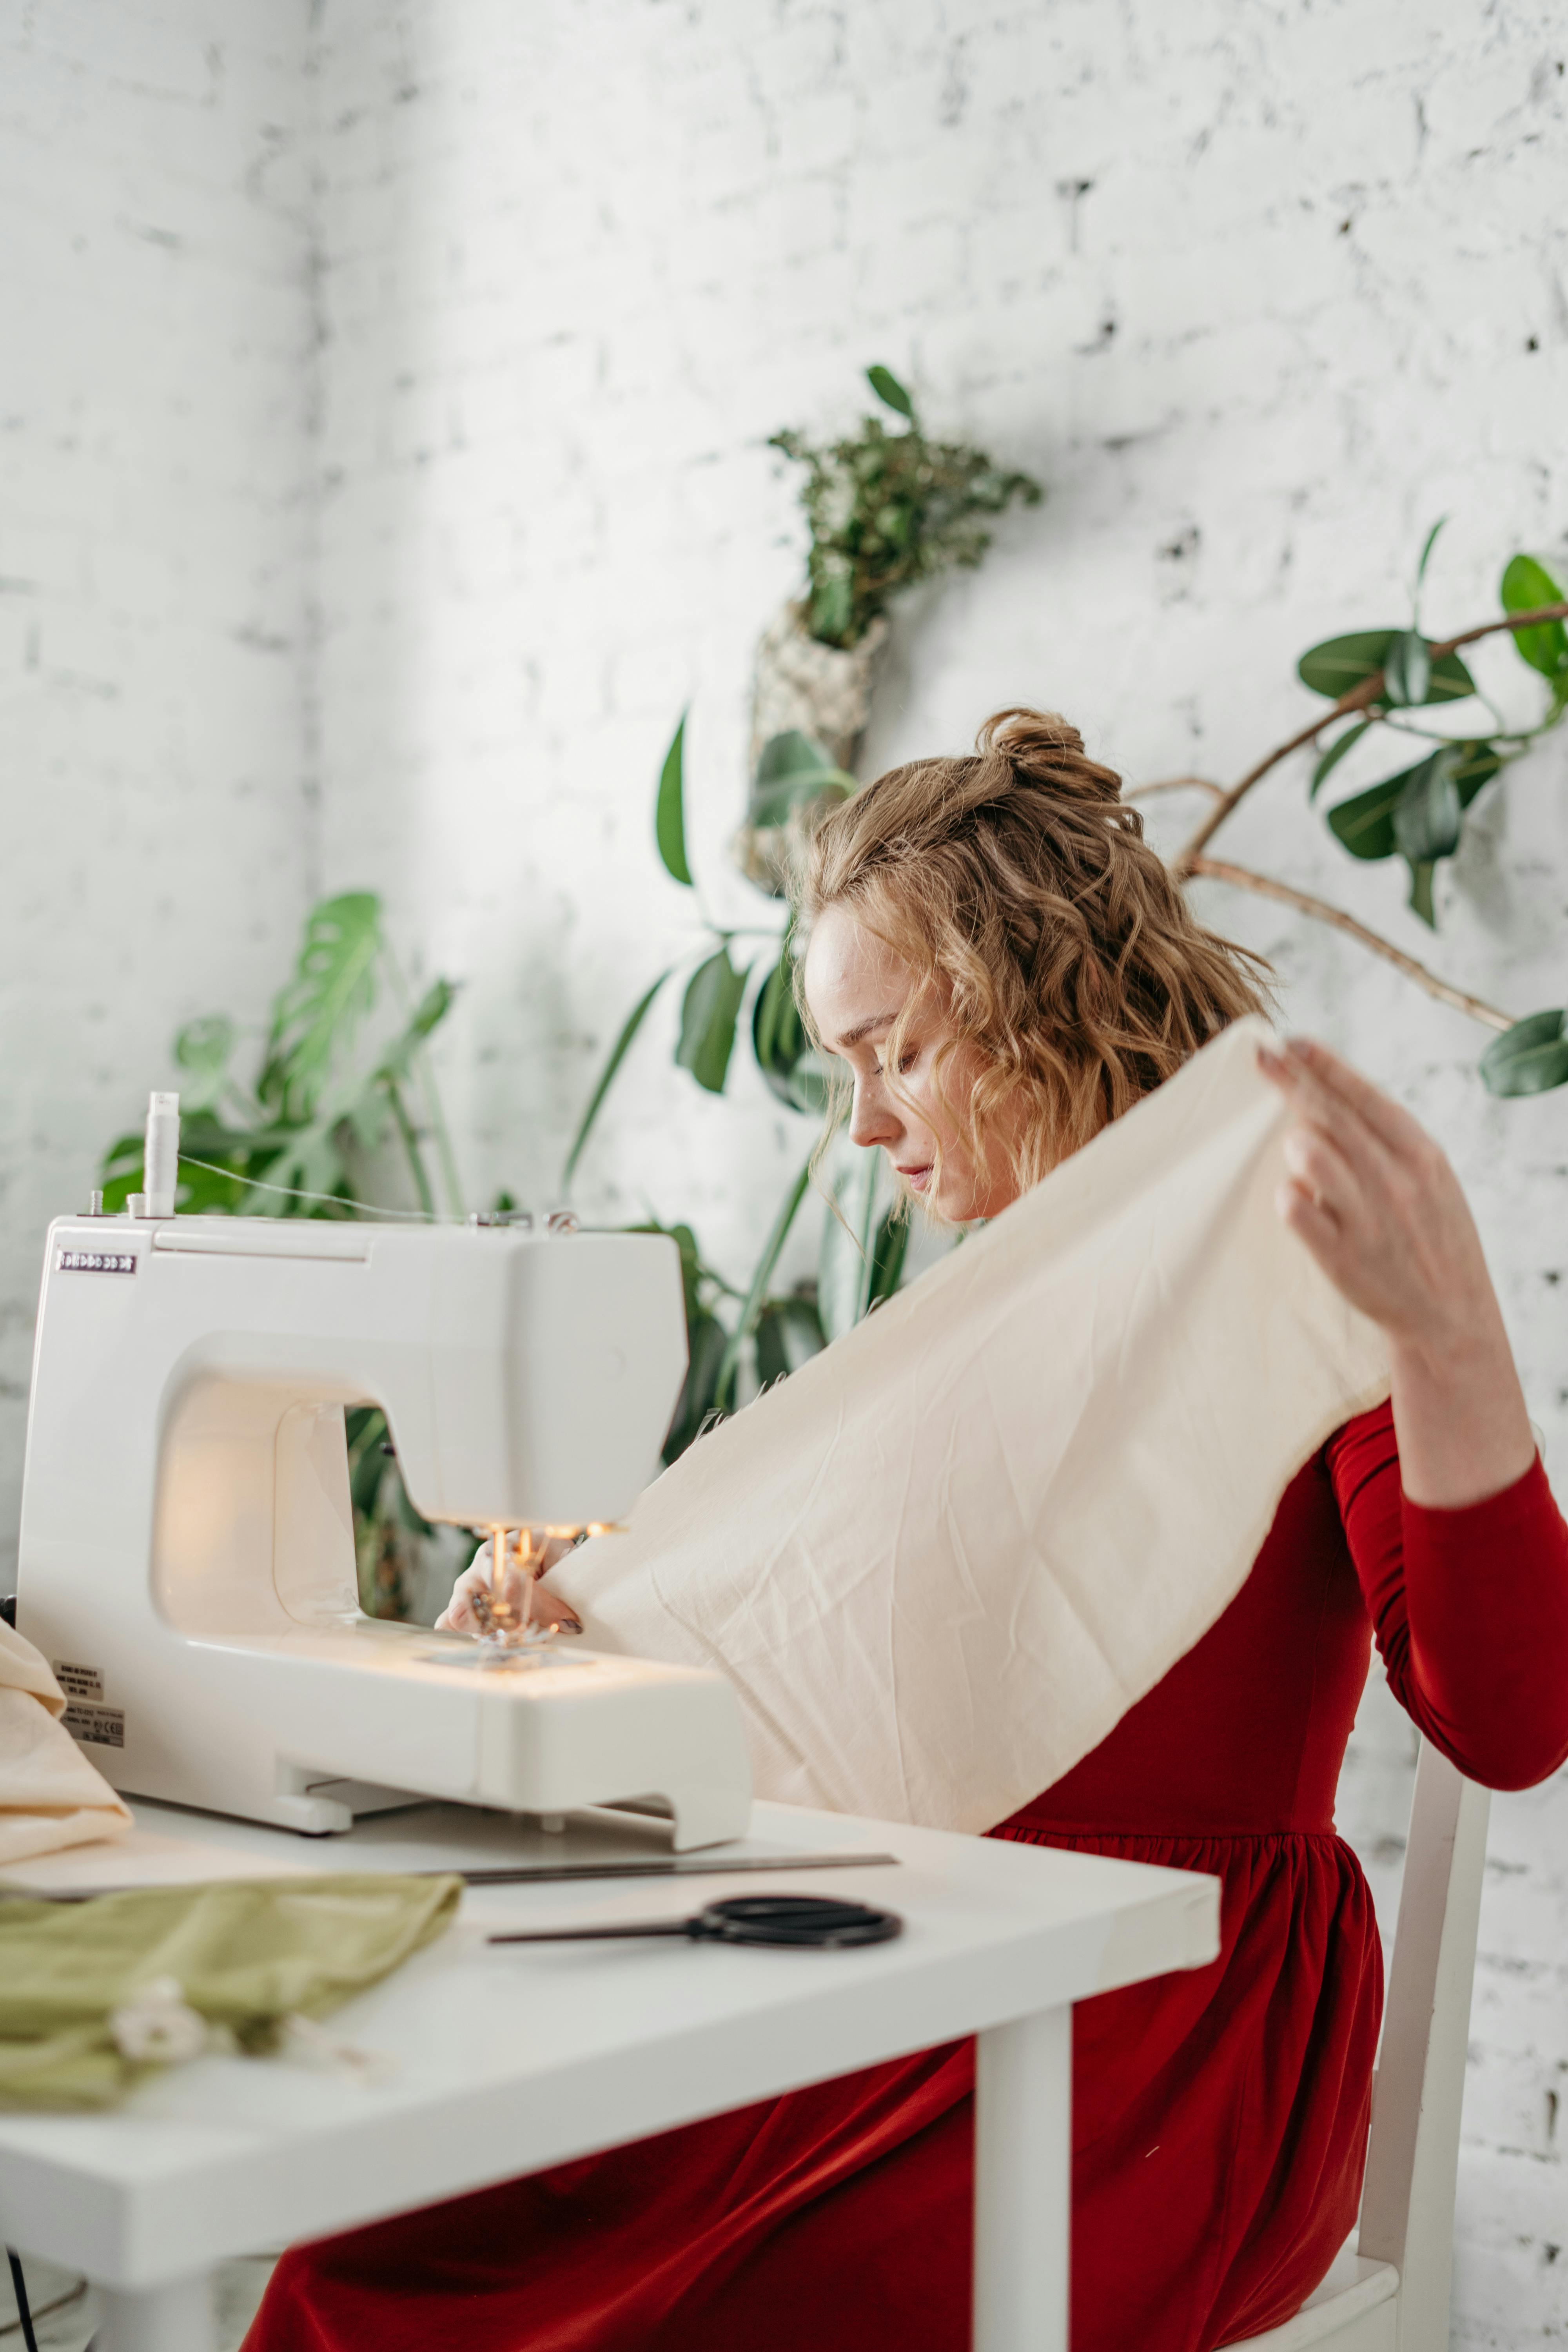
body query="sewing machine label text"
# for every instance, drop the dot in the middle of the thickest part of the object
(80, 1261)
(86, 1717)
(105, 1726)
(77, 1682)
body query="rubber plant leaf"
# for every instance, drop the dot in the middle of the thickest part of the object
(670, 809)
(1408, 670)
(1428, 812)
(1364, 823)
(890, 391)
(1336, 752)
(1338, 664)
(316, 1012)
(709, 1012)
(1420, 900)
(607, 1075)
(1530, 1058)
(1525, 585)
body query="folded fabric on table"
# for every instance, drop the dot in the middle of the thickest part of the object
(941, 1562)
(50, 1795)
(94, 1993)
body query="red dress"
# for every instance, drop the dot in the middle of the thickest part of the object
(1219, 2116)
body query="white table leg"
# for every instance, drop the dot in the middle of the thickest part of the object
(1023, 2183)
(176, 2318)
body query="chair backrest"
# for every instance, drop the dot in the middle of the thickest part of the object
(1413, 2154)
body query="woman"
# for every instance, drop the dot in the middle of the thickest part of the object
(1002, 964)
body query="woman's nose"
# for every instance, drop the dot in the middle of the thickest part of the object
(871, 1119)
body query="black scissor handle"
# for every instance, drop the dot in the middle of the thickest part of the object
(819, 1920)
(808, 1922)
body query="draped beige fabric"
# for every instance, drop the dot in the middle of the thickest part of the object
(50, 1795)
(942, 1561)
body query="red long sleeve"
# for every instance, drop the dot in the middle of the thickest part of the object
(1468, 1607)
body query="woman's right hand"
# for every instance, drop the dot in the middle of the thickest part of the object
(548, 1609)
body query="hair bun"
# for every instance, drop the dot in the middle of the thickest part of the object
(1045, 746)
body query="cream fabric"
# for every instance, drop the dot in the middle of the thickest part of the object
(50, 1795)
(942, 1561)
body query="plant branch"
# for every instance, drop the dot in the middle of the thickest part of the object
(1242, 877)
(1360, 697)
(1176, 784)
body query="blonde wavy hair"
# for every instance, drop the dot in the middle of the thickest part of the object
(1018, 886)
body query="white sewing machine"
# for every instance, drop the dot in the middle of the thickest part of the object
(187, 1557)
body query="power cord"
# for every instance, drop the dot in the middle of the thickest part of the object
(24, 2319)
(19, 2288)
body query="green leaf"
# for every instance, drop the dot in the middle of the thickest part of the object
(1341, 663)
(1531, 1057)
(669, 810)
(1336, 752)
(1428, 815)
(607, 1075)
(832, 609)
(757, 1294)
(1408, 670)
(789, 1333)
(709, 1012)
(792, 771)
(887, 1256)
(846, 1265)
(1364, 823)
(427, 1015)
(706, 1341)
(794, 1070)
(1429, 543)
(316, 1014)
(890, 391)
(203, 1049)
(1526, 585)
(1420, 901)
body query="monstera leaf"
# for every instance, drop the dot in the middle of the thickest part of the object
(315, 1017)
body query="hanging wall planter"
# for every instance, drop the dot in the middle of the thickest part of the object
(885, 510)
(824, 691)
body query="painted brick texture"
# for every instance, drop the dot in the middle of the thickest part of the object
(456, 393)
(154, 398)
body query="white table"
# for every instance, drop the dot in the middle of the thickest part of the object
(226, 2155)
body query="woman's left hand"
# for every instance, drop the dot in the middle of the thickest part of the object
(1381, 1210)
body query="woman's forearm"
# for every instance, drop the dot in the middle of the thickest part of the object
(1459, 1414)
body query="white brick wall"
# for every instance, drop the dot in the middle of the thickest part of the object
(153, 533)
(1259, 290)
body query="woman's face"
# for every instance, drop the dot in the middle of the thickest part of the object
(856, 989)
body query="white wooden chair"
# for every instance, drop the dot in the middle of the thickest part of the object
(1389, 2291)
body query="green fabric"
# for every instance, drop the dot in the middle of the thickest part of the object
(246, 1954)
